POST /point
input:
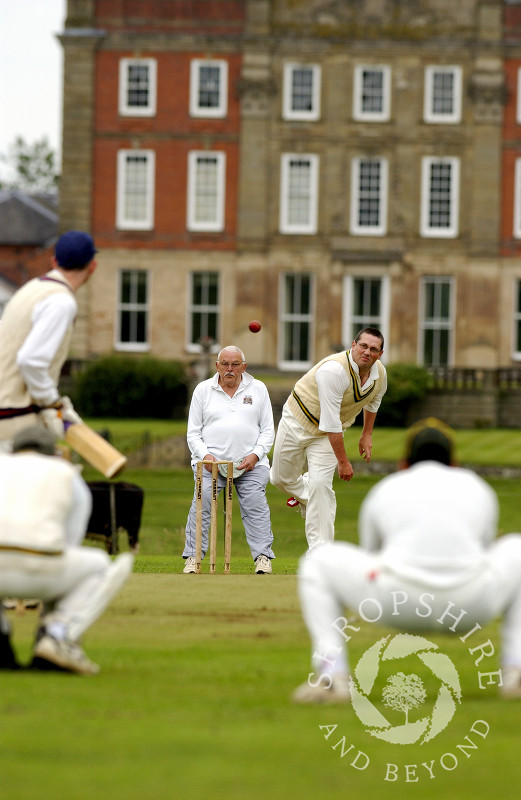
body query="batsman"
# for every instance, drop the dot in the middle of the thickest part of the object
(35, 334)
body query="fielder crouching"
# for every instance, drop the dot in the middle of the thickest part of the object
(44, 508)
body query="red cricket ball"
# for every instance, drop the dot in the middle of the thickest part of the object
(254, 326)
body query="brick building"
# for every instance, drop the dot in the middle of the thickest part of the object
(315, 164)
(28, 231)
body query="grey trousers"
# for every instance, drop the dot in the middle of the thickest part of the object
(255, 512)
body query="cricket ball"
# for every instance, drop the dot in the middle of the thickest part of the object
(254, 326)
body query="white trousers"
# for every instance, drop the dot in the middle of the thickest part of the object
(341, 575)
(314, 488)
(75, 587)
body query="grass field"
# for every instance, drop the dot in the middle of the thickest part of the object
(193, 697)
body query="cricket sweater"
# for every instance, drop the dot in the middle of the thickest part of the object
(304, 401)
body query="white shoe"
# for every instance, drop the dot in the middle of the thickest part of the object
(66, 655)
(338, 692)
(189, 565)
(511, 687)
(263, 565)
(296, 505)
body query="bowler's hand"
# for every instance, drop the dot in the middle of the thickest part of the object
(365, 447)
(248, 462)
(345, 470)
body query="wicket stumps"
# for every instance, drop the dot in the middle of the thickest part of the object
(213, 518)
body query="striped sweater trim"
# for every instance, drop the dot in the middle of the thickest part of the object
(307, 413)
(358, 394)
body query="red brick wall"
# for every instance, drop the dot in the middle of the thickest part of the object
(19, 264)
(222, 16)
(171, 133)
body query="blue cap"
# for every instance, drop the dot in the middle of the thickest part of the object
(74, 250)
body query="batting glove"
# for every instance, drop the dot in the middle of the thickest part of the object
(68, 414)
(52, 420)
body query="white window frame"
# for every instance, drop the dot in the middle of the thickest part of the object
(439, 323)
(350, 320)
(196, 110)
(288, 111)
(518, 97)
(202, 308)
(429, 114)
(195, 159)
(123, 221)
(516, 318)
(517, 200)
(359, 113)
(132, 306)
(286, 225)
(296, 318)
(358, 196)
(127, 110)
(452, 229)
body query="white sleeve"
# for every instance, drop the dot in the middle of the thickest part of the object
(194, 430)
(332, 382)
(51, 319)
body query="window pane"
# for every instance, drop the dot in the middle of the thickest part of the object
(429, 301)
(436, 348)
(444, 300)
(296, 341)
(141, 287)
(372, 90)
(296, 329)
(299, 192)
(302, 90)
(133, 309)
(125, 287)
(440, 185)
(135, 188)
(206, 190)
(443, 93)
(138, 85)
(369, 193)
(366, 311)
(209, 86)
(204, 311)
(437, 322)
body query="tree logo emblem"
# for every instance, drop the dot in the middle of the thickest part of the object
(404, 692)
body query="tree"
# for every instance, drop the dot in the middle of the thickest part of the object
(30, 167)
(404, 692)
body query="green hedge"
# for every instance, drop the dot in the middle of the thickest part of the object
(406, 383)
(122, 386)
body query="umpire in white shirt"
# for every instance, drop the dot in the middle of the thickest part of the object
(429, 560)
(231, 419)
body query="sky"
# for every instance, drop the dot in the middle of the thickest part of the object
(31, 66)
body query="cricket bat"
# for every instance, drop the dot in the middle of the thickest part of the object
(95, 449)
